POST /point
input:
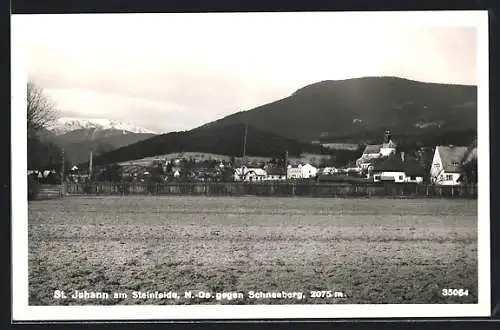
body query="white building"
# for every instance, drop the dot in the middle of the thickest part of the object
(328, 170)
(390, 169)
(387, 148)
(301, 171)
(446, 166)
(249, 174)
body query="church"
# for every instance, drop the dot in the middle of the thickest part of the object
(375, 151)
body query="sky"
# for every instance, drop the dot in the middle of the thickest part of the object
(171, 72)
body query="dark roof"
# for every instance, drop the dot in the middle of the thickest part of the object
(413, 168)
(372, 149)
(392, 163)
(275, 171)
(452, 157)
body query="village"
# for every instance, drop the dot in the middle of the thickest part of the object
(451, 166)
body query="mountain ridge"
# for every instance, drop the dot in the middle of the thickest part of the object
(78, 144)
(342, 107)
(68, 124)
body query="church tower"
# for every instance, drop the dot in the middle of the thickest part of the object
(387, 136)
(388, 147)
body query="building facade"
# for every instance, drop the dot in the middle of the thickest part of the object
(446, 169)
(301, 171)
(249, 174)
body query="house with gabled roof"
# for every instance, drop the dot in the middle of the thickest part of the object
(249, 174)
(388, 169)
(447, 164)
(397, 168)
(300, 171)
(327, 170)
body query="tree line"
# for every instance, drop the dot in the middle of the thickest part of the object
(41, 115)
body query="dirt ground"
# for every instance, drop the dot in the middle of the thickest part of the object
(370, 250)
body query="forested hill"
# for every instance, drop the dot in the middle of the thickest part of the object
(224, 140)
(357, 107)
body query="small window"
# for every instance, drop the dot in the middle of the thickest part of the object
(377, 177)
(449, 177)
(436, 165)
(400, 177)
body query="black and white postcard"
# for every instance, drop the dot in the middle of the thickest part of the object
(250, 165)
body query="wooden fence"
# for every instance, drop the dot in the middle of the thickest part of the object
(272, 189)
(49, 191)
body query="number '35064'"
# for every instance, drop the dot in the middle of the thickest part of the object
(455, 292)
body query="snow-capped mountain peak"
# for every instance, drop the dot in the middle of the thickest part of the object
(68, 124)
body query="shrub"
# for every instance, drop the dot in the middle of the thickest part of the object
(33, 187)
(87, 187)
(152, 187)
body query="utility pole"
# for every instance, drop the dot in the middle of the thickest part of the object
(245, 141)
(62, 166)
(243, 169)
(61, 189)
(90, 167)
(286, 164)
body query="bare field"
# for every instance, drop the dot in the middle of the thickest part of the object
(371, 250)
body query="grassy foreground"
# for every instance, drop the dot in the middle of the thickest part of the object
(371, 250)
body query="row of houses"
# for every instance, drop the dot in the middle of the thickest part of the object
(383, 163)
(272, 173)
(450, 164)
(390, 168)
(45, 176)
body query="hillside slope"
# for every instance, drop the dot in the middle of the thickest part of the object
(224, 140)
(364, 106)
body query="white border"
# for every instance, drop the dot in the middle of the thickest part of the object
(22, 312)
